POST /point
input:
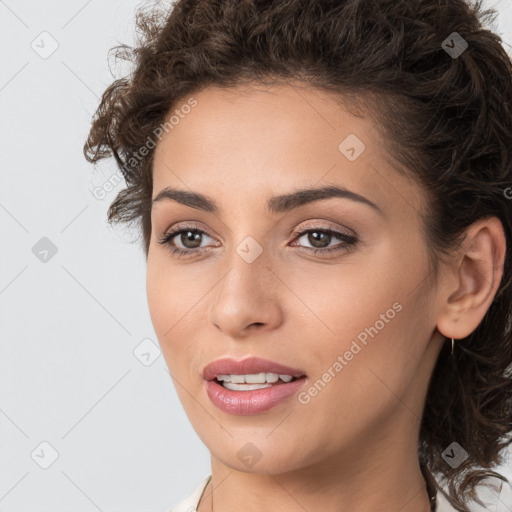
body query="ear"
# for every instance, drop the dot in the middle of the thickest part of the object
(469, 284)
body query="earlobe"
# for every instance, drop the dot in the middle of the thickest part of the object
(478, 268)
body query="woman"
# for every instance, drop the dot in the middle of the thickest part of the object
(324, 194)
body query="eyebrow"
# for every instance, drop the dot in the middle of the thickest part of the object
(276, 204)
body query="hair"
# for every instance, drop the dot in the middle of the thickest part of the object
(447, 119)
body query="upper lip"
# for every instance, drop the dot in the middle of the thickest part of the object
(228, 365)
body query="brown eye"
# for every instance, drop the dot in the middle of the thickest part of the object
(190, 239)
(320, 238)
(184, 240)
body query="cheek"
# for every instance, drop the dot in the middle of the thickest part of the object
(367, 342)
(171, 294)
(158, 297)
(174, 303)
(355, 323)
(336, 303)
(165, 307)
(364, 301)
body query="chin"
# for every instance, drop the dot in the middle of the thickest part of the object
(255, 454)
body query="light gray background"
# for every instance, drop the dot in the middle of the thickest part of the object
(69, 376)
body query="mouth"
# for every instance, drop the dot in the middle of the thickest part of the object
(252, 381)
(251, 386)
(250, 371)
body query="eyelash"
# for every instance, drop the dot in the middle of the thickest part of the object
(349, 241)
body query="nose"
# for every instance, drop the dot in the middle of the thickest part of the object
(245, 299)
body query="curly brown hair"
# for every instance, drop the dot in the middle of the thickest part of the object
(448, 118)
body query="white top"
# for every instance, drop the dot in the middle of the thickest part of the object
(190, 503)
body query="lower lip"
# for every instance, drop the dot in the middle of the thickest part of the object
(244, 403)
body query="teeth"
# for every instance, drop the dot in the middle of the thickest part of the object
(245, 387)
(254, 378)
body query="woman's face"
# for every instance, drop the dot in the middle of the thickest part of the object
(358, 321)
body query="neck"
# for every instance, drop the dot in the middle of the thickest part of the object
(387, 481)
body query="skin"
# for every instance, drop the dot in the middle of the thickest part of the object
(353, 447)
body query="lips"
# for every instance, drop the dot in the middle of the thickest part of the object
(227, 366)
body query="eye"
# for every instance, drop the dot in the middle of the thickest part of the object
(189, 237)
(320, 238)
(189, 240)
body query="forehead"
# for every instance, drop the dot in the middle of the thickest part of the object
(265, 117)
(267, 138)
